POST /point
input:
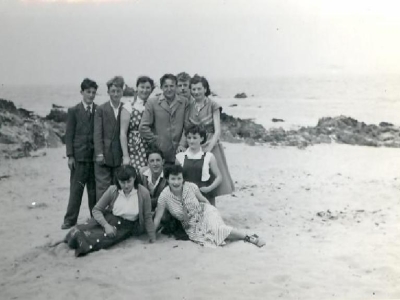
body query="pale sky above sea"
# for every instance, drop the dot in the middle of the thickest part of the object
(63, 41)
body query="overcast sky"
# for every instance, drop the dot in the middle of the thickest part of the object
(55, 41)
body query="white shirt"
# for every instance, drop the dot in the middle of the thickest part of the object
(127, 207)
(138, 104)
(86, 105)
(205, 172)
(115, 109)
(152, 186)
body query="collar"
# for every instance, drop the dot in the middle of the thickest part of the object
(190, 153)
(112, 106)
(177, 98)
(86, 105)
(147, 173)
(121, 192)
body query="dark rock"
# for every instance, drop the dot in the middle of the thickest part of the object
(233, 105)
(385, 124)
(58, 115)
(129, 91)
(277, 120)
(240, 96)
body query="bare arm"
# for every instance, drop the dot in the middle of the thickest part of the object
(159, 212)
(98, 210)
(125, 118)
(217, 130)
(218, 177)
(200, 197)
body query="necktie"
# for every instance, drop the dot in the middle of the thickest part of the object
(88, 111)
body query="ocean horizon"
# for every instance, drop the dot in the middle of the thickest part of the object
(300, 101)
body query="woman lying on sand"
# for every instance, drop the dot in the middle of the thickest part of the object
(123, 210)
(201, 221)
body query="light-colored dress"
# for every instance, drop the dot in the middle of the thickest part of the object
(137, 147)
(204, 117)
(201, 221)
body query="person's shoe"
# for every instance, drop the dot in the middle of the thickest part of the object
(255, 239)
(66, 226)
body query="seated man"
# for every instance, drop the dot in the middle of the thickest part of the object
(152, 176)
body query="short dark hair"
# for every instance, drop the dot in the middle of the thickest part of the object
(167, 76)
(197, 78)
(144, 79)
(118, 81)
(88, 83)
(173, 170)
(194, 129)
(183, 76)
(124, 173)
(153, 150)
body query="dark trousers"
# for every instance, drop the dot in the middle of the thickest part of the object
(105, 176)
(81, 175)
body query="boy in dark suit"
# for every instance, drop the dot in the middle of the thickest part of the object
(107, 146)
(80, 151)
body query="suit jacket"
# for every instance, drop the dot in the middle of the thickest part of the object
(79, 133)
(106, 203)
(163, 125)
(106, 134)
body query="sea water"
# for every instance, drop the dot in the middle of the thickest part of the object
(299, 101)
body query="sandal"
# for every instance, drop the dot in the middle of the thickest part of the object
(255, 239)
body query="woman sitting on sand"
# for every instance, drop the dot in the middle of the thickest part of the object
(201, 221)
(122, 211)
(199, 167)
(206, 112)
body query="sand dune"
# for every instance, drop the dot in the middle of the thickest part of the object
(329, 215)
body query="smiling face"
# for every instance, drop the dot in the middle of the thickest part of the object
(175, 182)
(194, 141)
(144, 90)
(115, 93)
(169, 89)
(156, 163)
(127, 185)
(184, 88)
(88, 95)
(198, 91)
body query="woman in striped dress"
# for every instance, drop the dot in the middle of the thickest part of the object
(201, 221)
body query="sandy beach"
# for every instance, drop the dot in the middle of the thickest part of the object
(329, 215)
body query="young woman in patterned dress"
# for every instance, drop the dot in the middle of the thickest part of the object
(201, 221)
(206, 112)
(133, 147)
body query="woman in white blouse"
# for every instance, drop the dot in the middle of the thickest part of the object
(199, 167)
(122, 211)
(133, 146)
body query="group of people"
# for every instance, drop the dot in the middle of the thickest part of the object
(146, 163)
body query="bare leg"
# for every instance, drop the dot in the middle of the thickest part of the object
(238, 235)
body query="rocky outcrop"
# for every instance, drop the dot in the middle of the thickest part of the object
(22, 132)
(342, 129)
